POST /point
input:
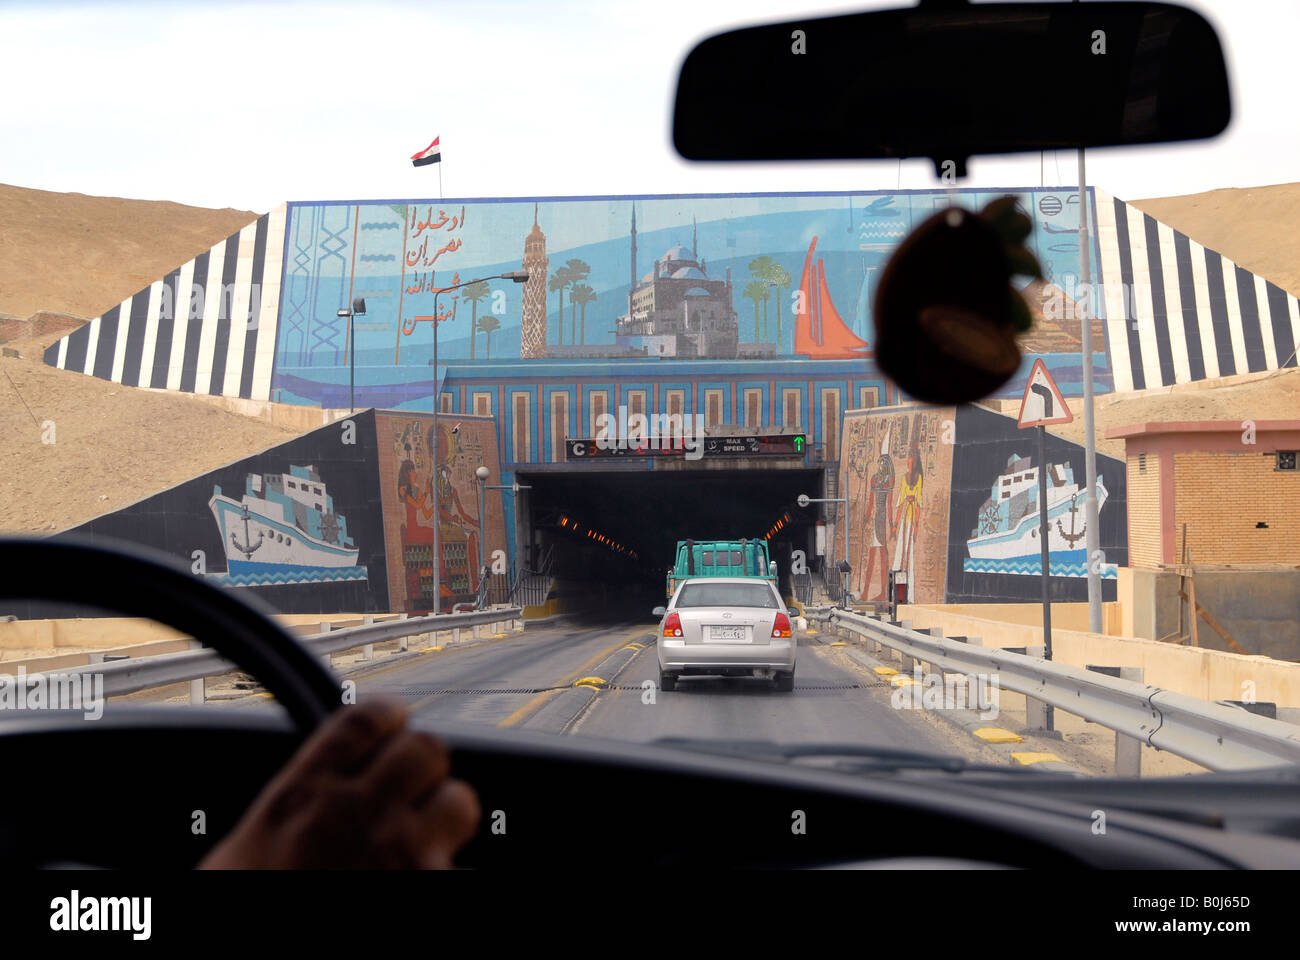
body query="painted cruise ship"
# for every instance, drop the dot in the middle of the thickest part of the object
(284, 530)
(1006, 538)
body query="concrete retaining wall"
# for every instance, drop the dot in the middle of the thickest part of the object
(1198, 672)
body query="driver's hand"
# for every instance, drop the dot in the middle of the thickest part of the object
(363, 792)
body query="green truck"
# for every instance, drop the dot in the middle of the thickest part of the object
(721, 558)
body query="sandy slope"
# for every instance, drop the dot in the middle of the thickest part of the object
(1253, 226)
(70, 253)
(113, 444)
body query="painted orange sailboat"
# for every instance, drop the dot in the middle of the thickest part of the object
(820, 332)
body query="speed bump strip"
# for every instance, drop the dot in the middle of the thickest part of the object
(1026, 759)
(839, 643)
(594, 682)
(886, 671)
(997, 735)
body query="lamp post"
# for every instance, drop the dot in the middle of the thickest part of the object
(483, 473)
(803, 501)
(358, 309)
(518, 276)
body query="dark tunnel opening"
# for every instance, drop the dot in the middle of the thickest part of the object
(617, 531)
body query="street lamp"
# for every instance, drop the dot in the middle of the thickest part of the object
(359, 309)
(518, 276)
(803, 501)
(482, 473)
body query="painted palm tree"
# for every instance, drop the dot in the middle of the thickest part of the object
(581, 295)
(487, 323)
(757, 291)
(578, 272)
(560, 279)
(779, 278)
(474, 293)
(761, 268)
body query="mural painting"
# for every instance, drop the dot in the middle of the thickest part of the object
(734, 278)
(993, 546)
(896, 466)
(299, 525)
(412, 487)
(284, 530)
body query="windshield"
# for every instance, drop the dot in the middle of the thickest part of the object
(514, 362)
(725, 595)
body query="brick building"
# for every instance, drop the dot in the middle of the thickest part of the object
(1232, 483)
(1234, 486)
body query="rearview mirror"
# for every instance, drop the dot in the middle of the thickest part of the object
(948, 81)
(658, 611)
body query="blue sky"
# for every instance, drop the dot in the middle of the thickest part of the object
(246, 105)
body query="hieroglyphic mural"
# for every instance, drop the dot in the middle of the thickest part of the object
(895, 469)
(411, 488)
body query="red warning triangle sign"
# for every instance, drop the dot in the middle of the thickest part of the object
(1043, 403)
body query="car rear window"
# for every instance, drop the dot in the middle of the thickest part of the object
(726, 595)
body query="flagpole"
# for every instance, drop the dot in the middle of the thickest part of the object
(440, 178)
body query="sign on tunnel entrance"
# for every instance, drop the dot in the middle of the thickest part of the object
(751, 445)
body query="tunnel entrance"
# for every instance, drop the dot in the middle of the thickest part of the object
(617, 530)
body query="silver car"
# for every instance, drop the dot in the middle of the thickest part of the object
(726, 626)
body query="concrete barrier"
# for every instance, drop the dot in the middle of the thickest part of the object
(1194, 671)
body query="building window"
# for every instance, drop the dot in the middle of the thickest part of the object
(1286, 459)
(1142, 463)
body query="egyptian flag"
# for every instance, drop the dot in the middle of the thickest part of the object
(430, 154)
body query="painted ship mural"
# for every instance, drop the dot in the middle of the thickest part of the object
(1006, 538)
(284, 530)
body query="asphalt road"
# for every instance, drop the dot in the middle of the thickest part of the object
(528, 680)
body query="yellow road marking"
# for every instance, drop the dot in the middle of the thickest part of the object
(538, 699)
(1025, 759)
(997, 735)
(901, 681)
(886, 671)
(839, 643)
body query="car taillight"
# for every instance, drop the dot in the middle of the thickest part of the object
(780, 626)
(673, 625)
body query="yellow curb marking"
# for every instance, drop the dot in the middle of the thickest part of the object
(997, 735)
(1025, 759)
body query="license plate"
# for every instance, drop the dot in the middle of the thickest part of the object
(728, 634)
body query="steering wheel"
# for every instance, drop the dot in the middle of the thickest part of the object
(139, 581)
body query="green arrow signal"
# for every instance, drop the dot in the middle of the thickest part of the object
(798, 444)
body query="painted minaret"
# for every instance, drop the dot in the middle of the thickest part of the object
(532, 334)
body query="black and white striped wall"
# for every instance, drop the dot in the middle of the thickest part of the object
(1176, 311)
(208, 327)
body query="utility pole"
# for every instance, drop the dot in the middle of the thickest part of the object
(1092, 534)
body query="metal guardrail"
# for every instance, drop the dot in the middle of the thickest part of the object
(145, 673)
(1214, 735)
